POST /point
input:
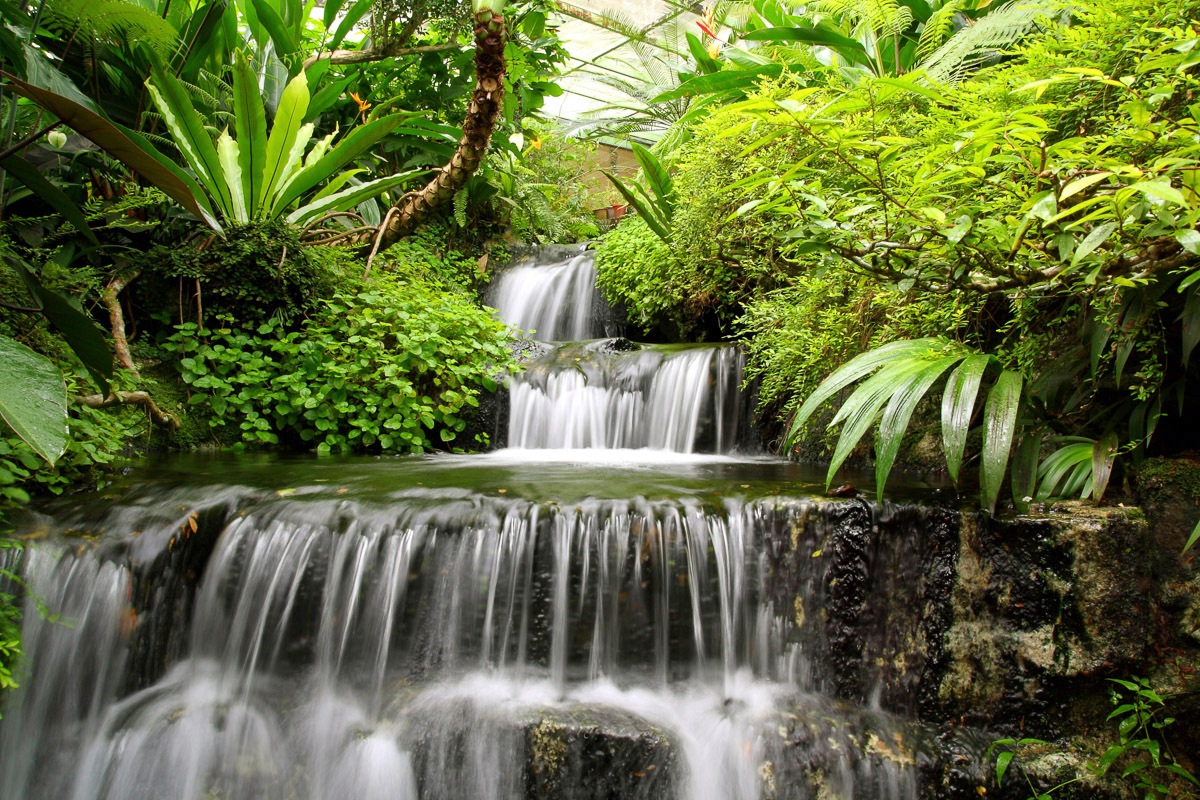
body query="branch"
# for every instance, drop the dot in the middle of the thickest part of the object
(110, 299)
(156, 414)
(389, 50)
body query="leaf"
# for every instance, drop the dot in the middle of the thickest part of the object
(659, 180)
(126, 146)
(1161, 190)
(728, 80)
(854, 369)
(898, 413)
(33, 399)
(1192, 538)
(29, 175)
(1104, 452)
(999, 423)
(1002, 762)
(1079, 184)
(1189, 240)
(641, 206)
(354, 144)
(846, 47)
(228, 153)
(958, 405)
(289, 120)
(347, 198)
(1024, 471)
(250, 117)
(1068, 467)
(348, 22)
(1096, 237)
(285, 45)
(863, 406)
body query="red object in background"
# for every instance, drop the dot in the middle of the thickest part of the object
(615, 211)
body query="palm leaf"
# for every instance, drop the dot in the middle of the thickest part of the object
(999, 424)
(958, 405)
(898, 413)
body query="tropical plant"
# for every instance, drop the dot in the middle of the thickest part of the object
(258, 176)
(900, 374)
(656, 207)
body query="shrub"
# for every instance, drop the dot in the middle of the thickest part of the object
(389, 368)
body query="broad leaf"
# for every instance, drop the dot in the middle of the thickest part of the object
(641, 206)
(126, 146)
(659, 180)
(898, 413)
(844, 45)
(289, 119)
(228, 154)
(1024, 471)
(33, 399)
(856, 368)
(190, 135)
(81, 334)
(268, 17)
(1104, 452)
(730, 80)
(347, 198)
(958, 406)
(999, 424)
(251, 124)
(348, 22)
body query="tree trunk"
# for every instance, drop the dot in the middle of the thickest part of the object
(482, 114)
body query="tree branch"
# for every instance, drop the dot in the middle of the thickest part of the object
(111, 300)
(389, 50)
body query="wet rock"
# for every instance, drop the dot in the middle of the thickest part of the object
(598, 754)
(618, 345)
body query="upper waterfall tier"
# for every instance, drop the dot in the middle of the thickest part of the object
(614, 394)
(553, 294)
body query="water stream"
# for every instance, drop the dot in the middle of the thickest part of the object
(628, 602)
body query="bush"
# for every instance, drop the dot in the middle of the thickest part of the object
(389, 368)
(633, 269)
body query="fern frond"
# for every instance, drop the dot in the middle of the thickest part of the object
(983, 40)
(938, 28)
(115, 19)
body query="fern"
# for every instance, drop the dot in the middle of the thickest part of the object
(880, 17)
(114, 20)
(938, 28)
(460, 207)
(982, 41)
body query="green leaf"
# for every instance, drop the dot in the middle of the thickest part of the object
(729, 80)
(29, 175)
(1104, 452)
(863, 406)
(33, 399)
(228, 156)
(1161, 190)
(1002, 762)
(641, 206)
(898, 413)
(958, 405)
(354, 144)
(999, 424)
(853, 370)
(190, 136)
(281, 144)
(347, 198)
(659, 180)
(126, 146)
(1192, 538)
(285, 44)
(1096, 237)
(1190, 316)
(1079, 184)
(250, 118)
(1024, 471)
(848, 48)
(81, 334)
(348, 22)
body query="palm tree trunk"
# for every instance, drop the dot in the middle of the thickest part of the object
(414, 207)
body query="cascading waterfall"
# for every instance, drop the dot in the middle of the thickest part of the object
(660, 626)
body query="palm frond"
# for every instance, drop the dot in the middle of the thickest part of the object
(114, 19)
(938, 28)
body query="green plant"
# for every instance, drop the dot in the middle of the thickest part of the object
(901, 373)
(656, 207)
(1140, 751)
(392, 368)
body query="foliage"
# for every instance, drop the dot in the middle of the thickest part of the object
(1140, 751)
(546, 189)
(433, 256)
(656, 206)
(256, 272)
(385, 368)
(633, 268)
(900, 373)
(33, 399)
(828, 316)
(10, 616)
(260, 175)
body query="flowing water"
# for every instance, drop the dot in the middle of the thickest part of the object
(628, 602)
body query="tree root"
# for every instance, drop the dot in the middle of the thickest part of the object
(159, 417)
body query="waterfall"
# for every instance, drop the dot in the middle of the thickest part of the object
(658, 618)
(551, 294)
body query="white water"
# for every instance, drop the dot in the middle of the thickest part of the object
(552, 301)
